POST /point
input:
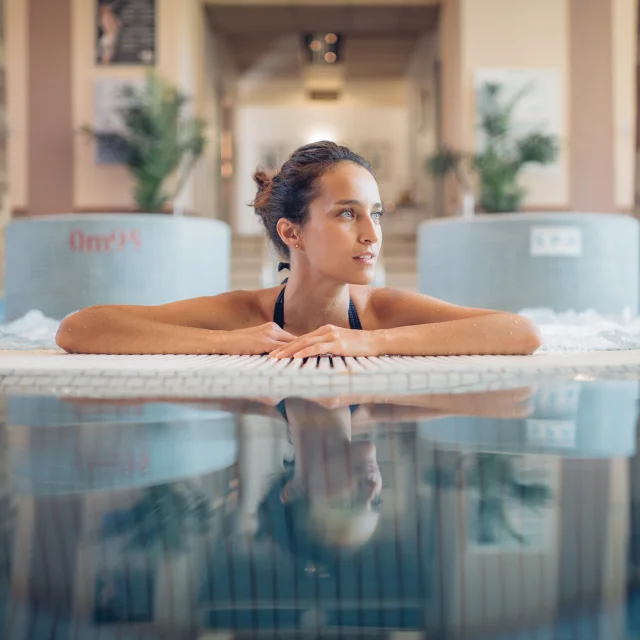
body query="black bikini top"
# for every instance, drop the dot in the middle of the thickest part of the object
(278, 311)
(283, 410)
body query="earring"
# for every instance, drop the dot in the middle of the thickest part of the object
(297, 246)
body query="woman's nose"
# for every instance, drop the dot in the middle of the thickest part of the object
(370, 232)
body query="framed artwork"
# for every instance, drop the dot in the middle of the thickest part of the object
(125, 32)
(379, 155)
(541, 107)
(511, 502)
(106, 119)
(273, 155)
(113, 602)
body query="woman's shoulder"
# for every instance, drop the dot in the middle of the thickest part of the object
(387, 307)
(367, 300)
(235, 309)
(261, 302)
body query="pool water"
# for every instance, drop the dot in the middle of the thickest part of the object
(504, 514)
(561, 332)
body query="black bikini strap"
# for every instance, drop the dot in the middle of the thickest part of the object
(281, 266)
(278, 310)
(282, 409)
(354, 318)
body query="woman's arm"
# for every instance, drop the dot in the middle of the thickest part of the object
(206, 325)
(419, 325)
(491, 334)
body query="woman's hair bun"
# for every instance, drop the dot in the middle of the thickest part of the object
(290, 192)
(262, 179)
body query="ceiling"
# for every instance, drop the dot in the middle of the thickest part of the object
(348, 19)
(379, 40)
(365, 56)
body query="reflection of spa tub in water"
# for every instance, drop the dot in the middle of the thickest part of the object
(51, 454)
(591, 420)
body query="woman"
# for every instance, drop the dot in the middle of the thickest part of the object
(110, 31)
(327, 499)
(322, 211)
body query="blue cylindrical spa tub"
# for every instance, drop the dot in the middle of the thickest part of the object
(59, 264)
(560, 261)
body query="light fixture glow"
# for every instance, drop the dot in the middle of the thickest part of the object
(319, 135)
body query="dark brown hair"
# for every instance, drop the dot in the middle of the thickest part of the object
(289, 193)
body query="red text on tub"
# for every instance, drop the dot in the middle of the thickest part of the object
(101, 243)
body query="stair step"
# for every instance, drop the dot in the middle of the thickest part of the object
(406, 282)
(400, 263)
(399, 253)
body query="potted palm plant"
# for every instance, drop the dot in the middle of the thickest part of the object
(158, 143)
(516, 261)
(62, 263)
(503, 156)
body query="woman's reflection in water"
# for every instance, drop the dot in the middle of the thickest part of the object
(327, 499)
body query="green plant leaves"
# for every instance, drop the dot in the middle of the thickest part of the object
(159, 139)
(503, 156)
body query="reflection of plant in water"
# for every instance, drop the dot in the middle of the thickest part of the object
(162, 519)
(7, 531)
(497, 479)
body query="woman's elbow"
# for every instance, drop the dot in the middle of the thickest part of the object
(69, 331)
(531, 338)
(65, 336)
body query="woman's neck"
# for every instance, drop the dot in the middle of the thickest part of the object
(317, 436)
(311, 302)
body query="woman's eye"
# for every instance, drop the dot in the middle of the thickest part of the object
(377, 215)
(349, 212)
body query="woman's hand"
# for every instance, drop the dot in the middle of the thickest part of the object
(329, 339)
(255, 340)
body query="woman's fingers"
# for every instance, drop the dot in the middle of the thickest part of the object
(294, 347)
(278, 333)
(316, 350)
(300, 342)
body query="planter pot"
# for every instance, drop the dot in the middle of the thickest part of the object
(59, 264)
(560, 261)
(72, 449)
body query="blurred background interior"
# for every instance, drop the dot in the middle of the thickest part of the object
(487, 122)
(504, 137)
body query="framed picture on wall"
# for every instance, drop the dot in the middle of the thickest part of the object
(273, 155)
(511, 502)
(107, 99)
(125, 32)
(379, 154)
(112, 601)
(540, 106)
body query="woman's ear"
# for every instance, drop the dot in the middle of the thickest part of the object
(289, 233)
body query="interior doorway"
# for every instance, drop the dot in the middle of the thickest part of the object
(362, 75)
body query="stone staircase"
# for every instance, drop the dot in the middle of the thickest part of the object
(246, 261)
(400, 263)
(398, 250)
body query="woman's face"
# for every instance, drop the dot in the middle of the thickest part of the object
(342, 236)
(349, 476)
(341, 512)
